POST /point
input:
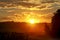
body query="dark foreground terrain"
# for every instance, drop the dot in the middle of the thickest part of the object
(24, 31)
(13, 36)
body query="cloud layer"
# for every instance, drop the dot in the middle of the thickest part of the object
(42, 9)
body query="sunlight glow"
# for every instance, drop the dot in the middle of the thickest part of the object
(32, 21)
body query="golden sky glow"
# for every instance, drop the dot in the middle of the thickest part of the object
(30, 17)
(25, 10)
(32, 21)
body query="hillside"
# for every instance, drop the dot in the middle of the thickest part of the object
(23, 27)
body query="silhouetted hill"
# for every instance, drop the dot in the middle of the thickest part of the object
(23, 31)
(21, 26)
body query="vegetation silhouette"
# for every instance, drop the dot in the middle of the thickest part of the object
(6, 27)
(7, 35)
(55, 31)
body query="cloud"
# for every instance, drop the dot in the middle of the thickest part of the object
(5, 19)
(23, 16)
(19, 9)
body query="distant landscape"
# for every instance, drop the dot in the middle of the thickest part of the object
(24, 31)
(22, 27)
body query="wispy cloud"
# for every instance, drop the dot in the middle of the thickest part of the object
(21, 8)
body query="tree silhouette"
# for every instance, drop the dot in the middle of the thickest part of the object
(55, 32)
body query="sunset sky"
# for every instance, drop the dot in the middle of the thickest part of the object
(24, 10)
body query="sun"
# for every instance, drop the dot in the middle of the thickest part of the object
(32, 21)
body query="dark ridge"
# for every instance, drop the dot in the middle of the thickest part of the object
(20, 25)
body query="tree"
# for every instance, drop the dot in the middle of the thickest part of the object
(55, 32)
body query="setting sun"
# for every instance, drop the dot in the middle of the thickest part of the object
(32, 21)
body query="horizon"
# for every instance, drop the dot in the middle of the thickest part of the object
(24, 22)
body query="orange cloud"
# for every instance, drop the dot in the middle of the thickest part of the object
(19, 10)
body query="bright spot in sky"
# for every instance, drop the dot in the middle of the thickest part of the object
(32, 21)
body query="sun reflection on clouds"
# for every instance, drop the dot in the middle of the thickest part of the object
(25, 17)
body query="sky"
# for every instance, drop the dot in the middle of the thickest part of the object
(24, 10)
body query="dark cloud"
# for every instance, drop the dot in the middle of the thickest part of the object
(10, 0)
(13, 3)
(26, 4)
(5, 18)
(5, 0)
(49, 1)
